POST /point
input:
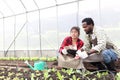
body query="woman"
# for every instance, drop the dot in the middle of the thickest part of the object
(68, 57)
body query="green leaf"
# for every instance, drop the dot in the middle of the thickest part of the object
(60, 77)
(117, 76)
(74, 77)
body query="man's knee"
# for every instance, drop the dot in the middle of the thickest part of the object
(106, 56)
(113, 55)
(109, 55)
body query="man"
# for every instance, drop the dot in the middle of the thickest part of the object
(99, 47)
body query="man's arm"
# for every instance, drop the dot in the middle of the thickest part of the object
(92, 51)
(101, 42)
(86, 46)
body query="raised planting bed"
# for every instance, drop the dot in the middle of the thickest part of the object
(19, 62)
(51, 62)
(54, 74)
(16, 69)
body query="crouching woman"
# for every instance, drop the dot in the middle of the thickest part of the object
(68, 57)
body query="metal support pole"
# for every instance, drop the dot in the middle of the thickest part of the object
(14, 37)
(57, 29)
(26, 27)
(3, 34)
(4, 28)
(39, 29)
(100, 17)
(77, 13)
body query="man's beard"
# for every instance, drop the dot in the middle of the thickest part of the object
(89, 32)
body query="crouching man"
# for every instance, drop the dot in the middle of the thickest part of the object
(99, 47)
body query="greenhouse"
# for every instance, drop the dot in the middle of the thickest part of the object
(33, 30)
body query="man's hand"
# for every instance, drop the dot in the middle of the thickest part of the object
(91, 51)
(72, 52)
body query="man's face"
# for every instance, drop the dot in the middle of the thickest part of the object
(87, 28)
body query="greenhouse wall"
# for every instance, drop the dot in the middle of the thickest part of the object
(38, 28)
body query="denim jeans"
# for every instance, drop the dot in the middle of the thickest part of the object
(109, 55)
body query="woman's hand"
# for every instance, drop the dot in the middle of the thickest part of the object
(64, 51)
(77, 57)
(82, 49)
(83, 54)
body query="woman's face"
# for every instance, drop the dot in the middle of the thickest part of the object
(74, 34)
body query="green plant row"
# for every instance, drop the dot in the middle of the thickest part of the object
(30, 58)
(54, 74)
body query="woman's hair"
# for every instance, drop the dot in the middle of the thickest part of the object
(76, 28)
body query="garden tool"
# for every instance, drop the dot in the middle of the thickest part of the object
(38, 65)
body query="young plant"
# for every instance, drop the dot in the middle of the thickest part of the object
(98, 75)
(117, 77)
(46, 75)
(50, 79)
(32, 76)
(60, 77)
(74, 77)
(70, 71)
(16, 78)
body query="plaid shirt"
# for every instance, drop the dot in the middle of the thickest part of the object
(101, 42)
(68, 41)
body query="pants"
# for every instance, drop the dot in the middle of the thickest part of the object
(109, 55)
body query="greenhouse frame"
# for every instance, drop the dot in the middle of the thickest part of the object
(33, 28)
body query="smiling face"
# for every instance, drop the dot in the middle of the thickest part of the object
(74, 33)
(87, 28)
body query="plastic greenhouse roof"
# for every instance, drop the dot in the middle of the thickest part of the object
(14, 7)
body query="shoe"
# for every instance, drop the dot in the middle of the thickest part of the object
(111, 66)
(99, 65)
